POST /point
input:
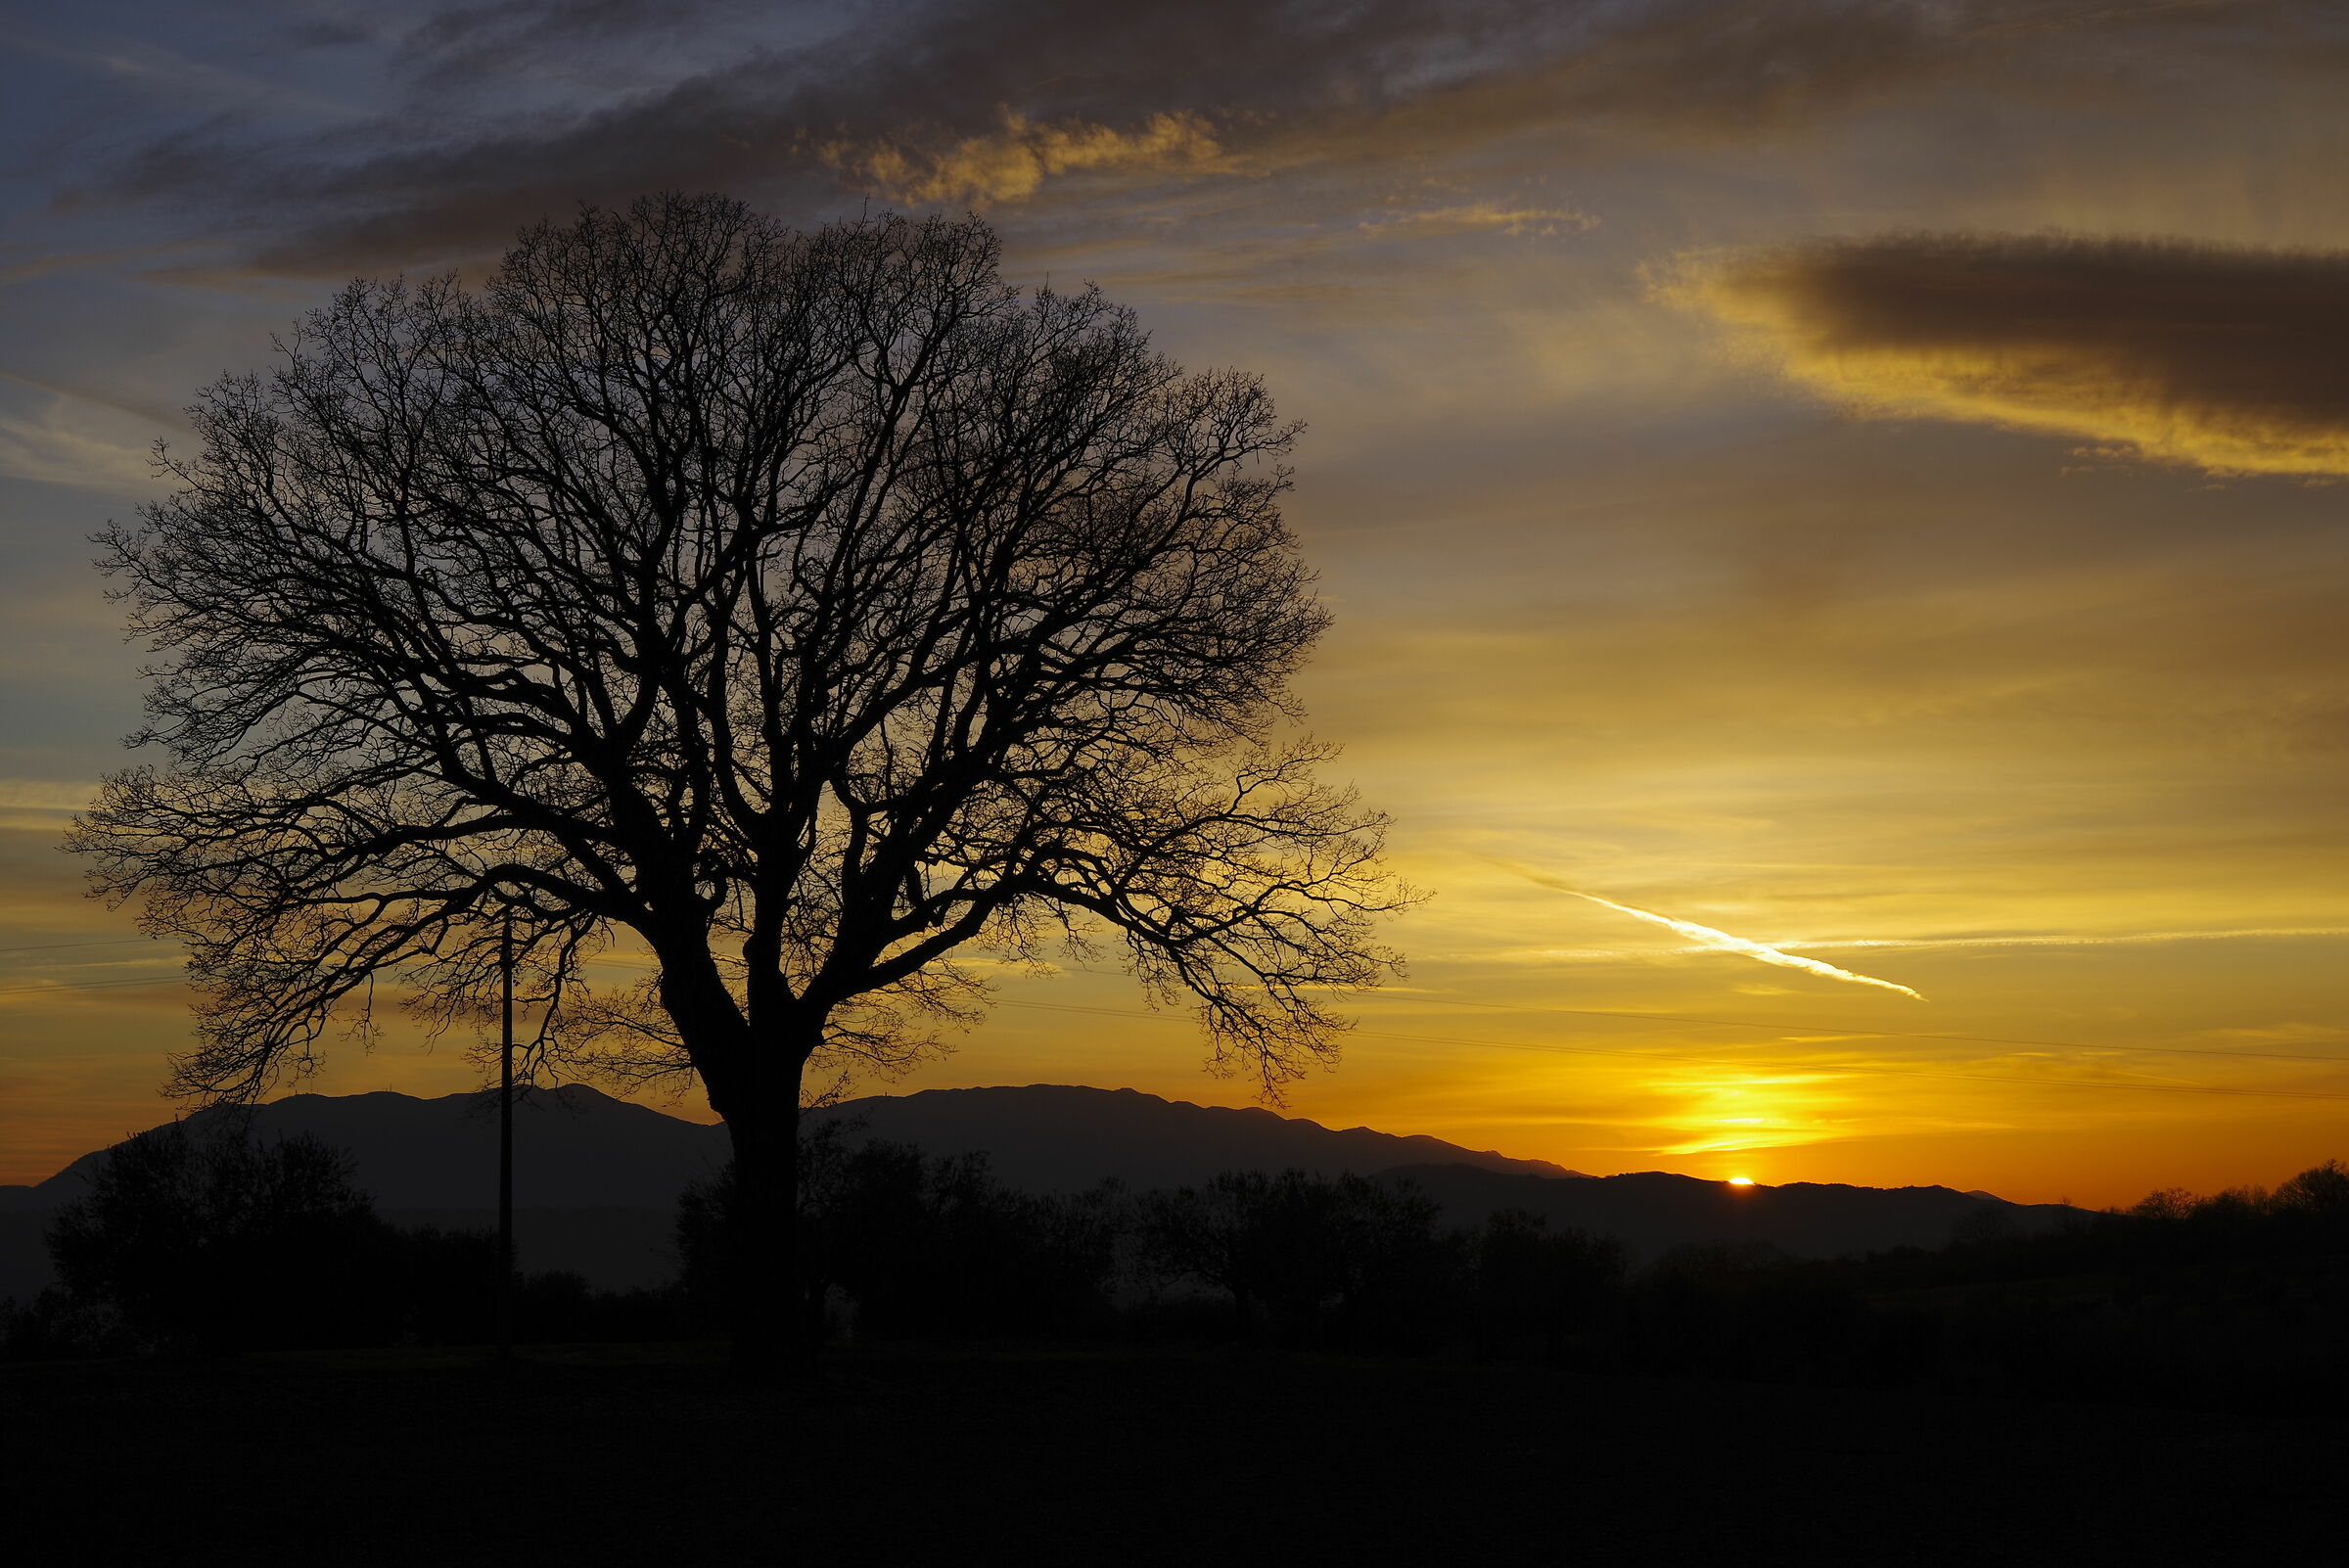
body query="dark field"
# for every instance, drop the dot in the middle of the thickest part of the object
(653, 1455)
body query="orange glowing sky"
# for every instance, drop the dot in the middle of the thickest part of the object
(1859, 479)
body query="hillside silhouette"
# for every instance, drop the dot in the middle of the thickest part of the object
(216, 1235)
(574, 1147)
(1053, 1137)
(1652, 1211)
(597, 1178)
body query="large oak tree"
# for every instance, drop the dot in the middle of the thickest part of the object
(797, 609)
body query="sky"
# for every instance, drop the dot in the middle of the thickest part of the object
(1834, 510)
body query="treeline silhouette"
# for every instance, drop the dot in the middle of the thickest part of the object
(191, 1244)
(2233, 1301)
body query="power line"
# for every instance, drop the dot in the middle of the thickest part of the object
(1637, 1055)
(1854, 1033)
(1738, 1022)
(110, 941)
(1714, 1061)
(1568, 1012)
(1896, 1034)
(89, 984)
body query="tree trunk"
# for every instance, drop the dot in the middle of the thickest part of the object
(756, 1087)
(769, 1329)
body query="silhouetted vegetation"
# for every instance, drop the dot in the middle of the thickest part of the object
(223, 1242)
(2231, 1301)
(2228, 1300)
(1351, 1262)
(905, 1245)
(804, 607)
(195, 1244)
(1529, 1290)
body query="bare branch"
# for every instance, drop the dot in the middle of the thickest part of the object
(804, 608)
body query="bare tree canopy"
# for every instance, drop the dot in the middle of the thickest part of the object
(805, 607)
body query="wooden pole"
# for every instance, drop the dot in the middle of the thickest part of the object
(505, 1147)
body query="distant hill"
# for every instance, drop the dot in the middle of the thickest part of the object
(596, 1179)
(1050, 1137)
(574, 1147)
(1651, 1210)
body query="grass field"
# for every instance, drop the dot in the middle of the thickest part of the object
(654, 1454)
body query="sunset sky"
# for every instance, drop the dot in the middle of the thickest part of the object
(1861, 479)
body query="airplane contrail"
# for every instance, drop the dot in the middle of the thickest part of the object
(1706, 936)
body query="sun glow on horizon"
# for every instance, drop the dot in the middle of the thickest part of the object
(1888, 511)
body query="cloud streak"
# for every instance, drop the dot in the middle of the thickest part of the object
(2229, 358)
(2124, 939)
(1541, 222)
(1719, 941)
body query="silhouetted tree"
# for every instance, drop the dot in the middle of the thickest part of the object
(936, 1247)
(920, 1244)
(705, 1247)
(1225, 1236)
(214, 1240)
(444, 1280)
(2317, 1194)
(57, 1325)
(804, 607)
(1307, 1248)
(1532, 1286)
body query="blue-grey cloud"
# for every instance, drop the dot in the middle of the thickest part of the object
(519, 107)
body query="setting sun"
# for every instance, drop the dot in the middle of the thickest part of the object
(1921, 488)
(1049, 716)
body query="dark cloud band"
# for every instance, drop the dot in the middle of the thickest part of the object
(2229, 358)
(971, 100)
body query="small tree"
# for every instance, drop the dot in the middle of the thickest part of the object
(211, 1240)
(1243, 1233)
(806, 608)
(1532, 1286)
(922, 1245)
(1297, 1244)
(2317, 1194)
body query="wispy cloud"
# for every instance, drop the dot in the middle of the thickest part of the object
(1721, 941)
(2128, 939)
(76, 441)
(2121, 939)
(1543, 222)
(45, 795)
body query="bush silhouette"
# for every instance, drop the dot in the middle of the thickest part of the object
(1308, 1258)
(917, 1245)
(1532, 1287)
(202, 1241)
(213, 1241)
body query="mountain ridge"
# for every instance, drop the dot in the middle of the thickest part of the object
(1060, 1138)
(597, 1178)
(1655, 1211)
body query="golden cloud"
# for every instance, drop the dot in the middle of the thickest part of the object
(2229, 358)
(1012, 162)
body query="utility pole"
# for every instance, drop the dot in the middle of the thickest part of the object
(505, 1145)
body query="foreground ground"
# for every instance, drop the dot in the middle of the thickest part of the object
(655, 1455)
